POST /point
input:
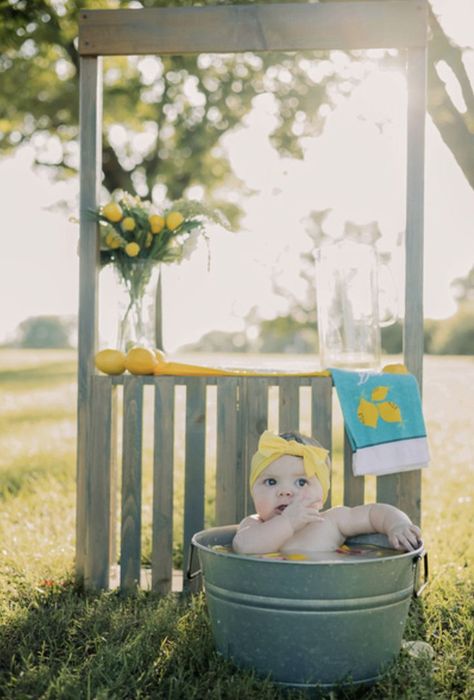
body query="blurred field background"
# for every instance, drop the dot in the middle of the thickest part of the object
(37, 493)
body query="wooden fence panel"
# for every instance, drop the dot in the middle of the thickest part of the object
(130, 552)
(97, 560)
(254, 420)
(289, 404)
(229, 481)
(354, 486)
(194, 480)
(163, 495)
(321, 417)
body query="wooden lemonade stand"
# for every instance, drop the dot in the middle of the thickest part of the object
(242, 402)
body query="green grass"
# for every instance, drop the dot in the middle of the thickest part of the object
(57, 642)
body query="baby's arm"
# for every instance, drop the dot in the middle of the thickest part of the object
(256, 536)
(378, 517)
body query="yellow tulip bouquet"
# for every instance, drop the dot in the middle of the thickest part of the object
(134, 237)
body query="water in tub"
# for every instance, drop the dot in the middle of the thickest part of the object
(354, 551)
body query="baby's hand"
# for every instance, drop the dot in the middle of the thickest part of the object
(405, 536)
(300, 513)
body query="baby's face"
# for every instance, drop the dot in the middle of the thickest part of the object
(283, 481)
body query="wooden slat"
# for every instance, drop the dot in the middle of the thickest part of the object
(113, 477)
(402, 490)
(96, 569)
(284, 27)
(194, 473)
(90, 108)
(413, 328)
(229, 478)
(288, 404)
(353, 485)
(321, 416)
(410, 482)
(253, 421)
(388, 489)
(130, 551)
(163, 457)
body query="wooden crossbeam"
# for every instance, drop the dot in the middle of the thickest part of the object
(237, 28)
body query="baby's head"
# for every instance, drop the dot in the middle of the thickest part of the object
(286, 467)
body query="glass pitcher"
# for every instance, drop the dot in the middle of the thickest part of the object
(347, 287)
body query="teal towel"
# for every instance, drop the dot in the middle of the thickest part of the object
(383, 419)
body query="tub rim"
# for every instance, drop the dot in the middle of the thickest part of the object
(415, 553)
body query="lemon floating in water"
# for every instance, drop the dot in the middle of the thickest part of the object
(110, 361)
(140, 361)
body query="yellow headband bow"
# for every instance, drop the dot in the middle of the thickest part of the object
(270, 447)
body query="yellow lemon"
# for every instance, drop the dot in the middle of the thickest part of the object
(157, 223)
(160, 356)
(367, 413)
(396, 368)
(140, 361)
(128, 224)
(174, 220)
(112, 211)
(132, 249)
(390, 412)
(110, 361)
(379, 393)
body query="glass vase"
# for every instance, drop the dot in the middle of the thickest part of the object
(137, 282)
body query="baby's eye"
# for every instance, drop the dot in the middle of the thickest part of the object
(270, 481)
(302, 481)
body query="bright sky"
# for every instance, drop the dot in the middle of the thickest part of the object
(351, 169)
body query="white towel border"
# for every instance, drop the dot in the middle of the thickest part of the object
(391, 457)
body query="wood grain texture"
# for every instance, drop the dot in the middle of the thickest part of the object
(130, 551)
(97, 558)
(410, 482)
(229, 479)
(237, 28)
(163, 492)
(254, 420)
(413, 327)
(321, 417)
(288, 404)
(194, 469)
(354, 486)
(90, 108)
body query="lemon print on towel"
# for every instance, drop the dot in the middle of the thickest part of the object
(369, 412)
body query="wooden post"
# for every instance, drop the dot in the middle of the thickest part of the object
(410, 482)
(90, 171)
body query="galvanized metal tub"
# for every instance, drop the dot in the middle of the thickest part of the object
(307, 623)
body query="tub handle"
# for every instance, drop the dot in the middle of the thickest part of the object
(418, 589)
(190, 572)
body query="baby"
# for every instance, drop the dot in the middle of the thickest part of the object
(289, 482)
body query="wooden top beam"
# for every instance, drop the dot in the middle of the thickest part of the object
(238, 28)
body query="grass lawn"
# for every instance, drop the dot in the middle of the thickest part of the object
(57, 642)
